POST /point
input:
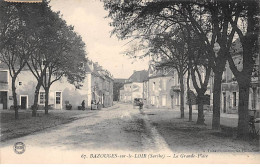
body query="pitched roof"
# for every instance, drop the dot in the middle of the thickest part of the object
(119, 80)
(87, 68)
(138, 76)
(161, 73)
(5, 67)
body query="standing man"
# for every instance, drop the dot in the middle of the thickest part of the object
(83, 105)
(141, 104)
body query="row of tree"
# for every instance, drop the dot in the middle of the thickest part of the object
(194, 36)
(33, 36)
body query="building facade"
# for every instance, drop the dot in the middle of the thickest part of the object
(230, 88)
(94, 87)
(161, 89)
(159, 86)
(133, 87)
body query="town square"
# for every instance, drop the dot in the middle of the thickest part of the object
(120, 81)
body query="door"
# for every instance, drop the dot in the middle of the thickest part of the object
(23, 102)
(164, 100)
(224, 103)
(3, 100)
(58, 100)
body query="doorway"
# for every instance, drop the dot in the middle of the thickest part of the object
(224, 103)
(24, 102)
(3, 100)
(58, 100)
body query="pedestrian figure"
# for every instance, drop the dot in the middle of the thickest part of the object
(141, 105)
(83, 105)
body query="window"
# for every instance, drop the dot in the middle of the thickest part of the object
(58, 96)
(163, 100)
(164, 84)
(20, 83)
(42, 97)
(153, 100)
(3, 76)
(153, 86)
(234, 99)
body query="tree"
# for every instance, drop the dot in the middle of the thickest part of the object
(209, 21)
(116, 90)
(67, 62)
(212, 21)
(190, 94)
(200, 71)
(248, 12)
(39, 19)
(60, 51)
(16, 43)
(171, 49)
(138, 19)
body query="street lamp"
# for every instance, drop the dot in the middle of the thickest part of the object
(216, 48)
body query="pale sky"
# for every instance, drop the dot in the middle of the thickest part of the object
(88, 19)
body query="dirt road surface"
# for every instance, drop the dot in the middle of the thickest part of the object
(118, 129)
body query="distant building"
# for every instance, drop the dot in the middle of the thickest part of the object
(158, 89)
(100, 86)
(97, 86)
(133, 87)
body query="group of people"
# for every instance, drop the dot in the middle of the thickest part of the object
(141, 104)
(92, 102)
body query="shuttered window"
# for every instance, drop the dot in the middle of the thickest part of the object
(3, 77)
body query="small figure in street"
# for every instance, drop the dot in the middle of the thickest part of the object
(83, 105)
(141, 104)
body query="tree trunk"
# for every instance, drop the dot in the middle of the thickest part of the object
(243, 117)
(15, 98)
(188, 96)
(47, 100)
(36, 98)
(182, 94)
(190, 111)
(200, 119)
(216, 100)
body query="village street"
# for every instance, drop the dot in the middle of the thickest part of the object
(122, 128)
(116, 128)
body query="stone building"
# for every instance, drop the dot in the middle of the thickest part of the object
(133, 86)
(97, 85)
(230, 88)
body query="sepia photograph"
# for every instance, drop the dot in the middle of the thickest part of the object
(129, 82)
